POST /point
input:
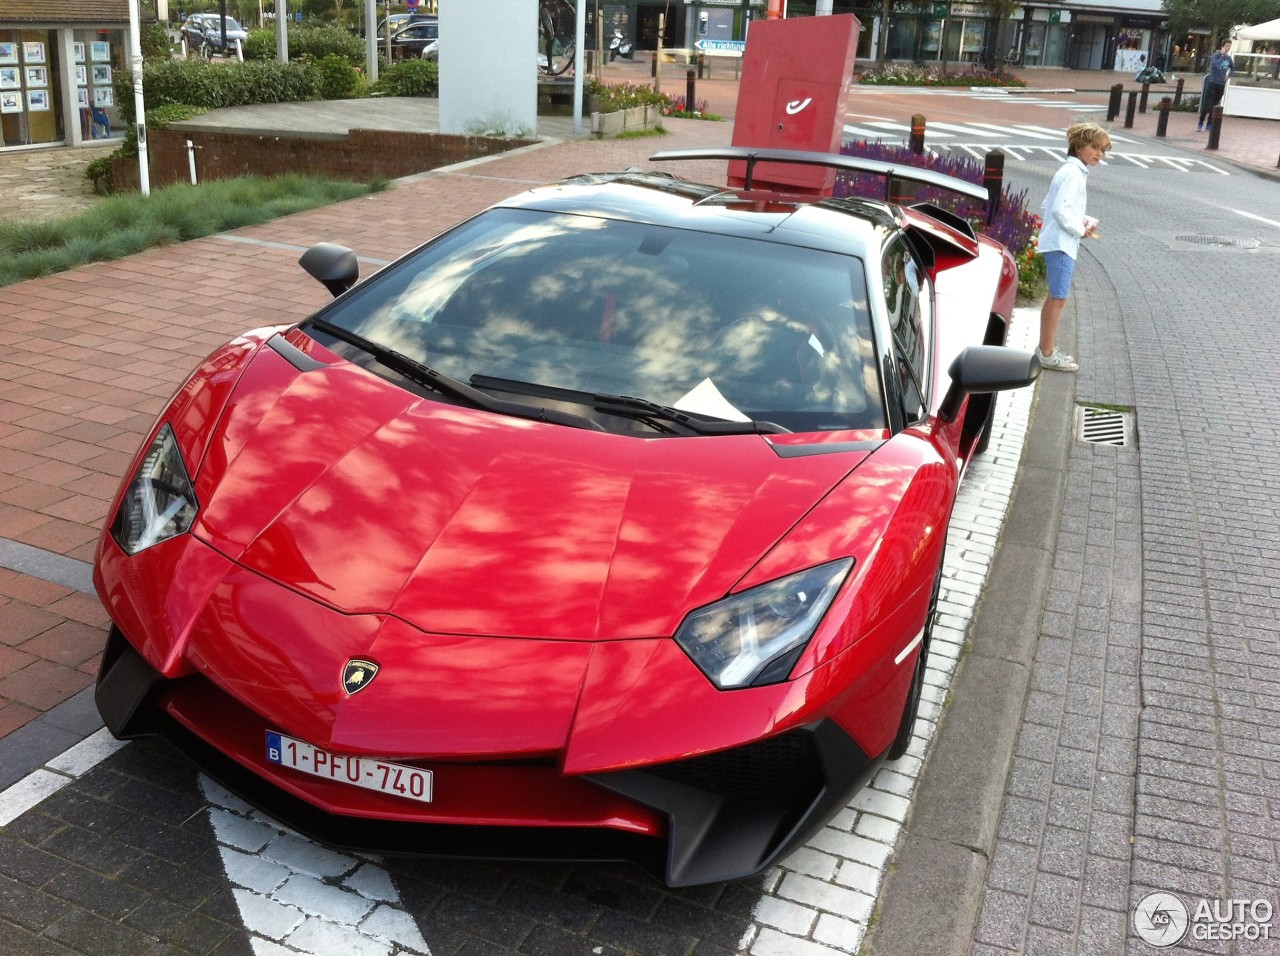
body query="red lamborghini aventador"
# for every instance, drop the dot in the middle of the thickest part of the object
(607, 524)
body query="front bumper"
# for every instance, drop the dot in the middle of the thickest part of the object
(723, 816)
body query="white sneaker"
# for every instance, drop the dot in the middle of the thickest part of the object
(1057, 360)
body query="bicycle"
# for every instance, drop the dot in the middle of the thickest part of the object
(552, 15)
(559, 63)
(1013, 57)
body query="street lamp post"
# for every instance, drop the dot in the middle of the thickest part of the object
(139, 107)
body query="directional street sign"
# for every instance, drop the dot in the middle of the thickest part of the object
(720, 46)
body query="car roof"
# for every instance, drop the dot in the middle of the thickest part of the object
(846, 225)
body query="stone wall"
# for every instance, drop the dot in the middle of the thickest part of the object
(361, 155)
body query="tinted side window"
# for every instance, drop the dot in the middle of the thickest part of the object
(907, 304)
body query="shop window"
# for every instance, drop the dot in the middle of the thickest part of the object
(30, 104)
(98, 54)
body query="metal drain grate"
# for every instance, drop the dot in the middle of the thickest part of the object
(1104, 426)
(1221, 241)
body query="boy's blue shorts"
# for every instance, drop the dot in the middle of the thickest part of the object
(1060, 268)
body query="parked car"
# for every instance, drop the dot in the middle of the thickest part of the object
(607, 524)
(204, 34)
(417, 39)
(397, 21)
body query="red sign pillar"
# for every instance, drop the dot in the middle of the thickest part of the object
(793, 95)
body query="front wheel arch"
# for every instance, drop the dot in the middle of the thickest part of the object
(911, 709)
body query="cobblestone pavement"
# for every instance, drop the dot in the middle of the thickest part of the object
(1147, 758)
(48, 182)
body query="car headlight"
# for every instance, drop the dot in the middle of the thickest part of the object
(160, 502)
(755, 637)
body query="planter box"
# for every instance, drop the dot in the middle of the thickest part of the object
(611, 124)
(360, 155)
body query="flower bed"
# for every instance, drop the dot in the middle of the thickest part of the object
(910, 74)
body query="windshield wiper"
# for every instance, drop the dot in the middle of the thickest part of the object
(657, 415)
(644, 409)
(427, 376)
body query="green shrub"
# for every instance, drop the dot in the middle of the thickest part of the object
(214, 85)
(155, 42)
(309, 43)
(334, 78)
(260, 45)
(409, 78)
(623, 96)
(99, 170)
(912, 74)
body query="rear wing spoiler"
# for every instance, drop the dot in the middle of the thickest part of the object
(891, 171)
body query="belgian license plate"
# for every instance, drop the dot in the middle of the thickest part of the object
(395, 779)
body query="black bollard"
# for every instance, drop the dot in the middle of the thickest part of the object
(1177, 91)
(1162, 124)
(690, 88)
(1129, 109)
(653, 65)
(1142, 102)
(1113, 105)
(1215, 127)
(916, 143)
(993, 180)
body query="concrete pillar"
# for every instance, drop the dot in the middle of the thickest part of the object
(488, 66)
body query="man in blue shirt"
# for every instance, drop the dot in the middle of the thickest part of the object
(1215, 82)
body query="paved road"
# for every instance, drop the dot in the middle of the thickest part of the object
(133, 852)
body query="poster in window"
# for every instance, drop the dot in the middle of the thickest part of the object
(37, 100)
(10, 102)
(104, 96)
(82, 77)
(33, 52)
(8, 53)
(101, 74)
(10, 78)
(37, 76)
(100, 50)
(82, 98)
(79, 51)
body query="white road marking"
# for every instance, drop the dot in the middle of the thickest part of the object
(1249, 215)
(295, 894)
(71, 764)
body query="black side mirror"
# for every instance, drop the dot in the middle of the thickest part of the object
(987, 368)
(333, 266)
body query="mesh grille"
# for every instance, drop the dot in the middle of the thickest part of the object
(782, 764)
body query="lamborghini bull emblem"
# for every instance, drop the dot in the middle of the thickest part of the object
(358, 675)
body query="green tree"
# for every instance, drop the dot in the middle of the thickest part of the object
(1218, 16)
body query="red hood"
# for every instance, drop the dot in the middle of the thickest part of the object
(347, 488)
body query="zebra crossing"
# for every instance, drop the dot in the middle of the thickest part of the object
(1021, 142)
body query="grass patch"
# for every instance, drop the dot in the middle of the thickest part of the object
(657, 130)
(122, 225)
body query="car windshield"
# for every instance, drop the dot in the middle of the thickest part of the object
(720, 326)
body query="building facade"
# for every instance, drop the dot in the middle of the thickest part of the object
(1108, 35)
(57, 65)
